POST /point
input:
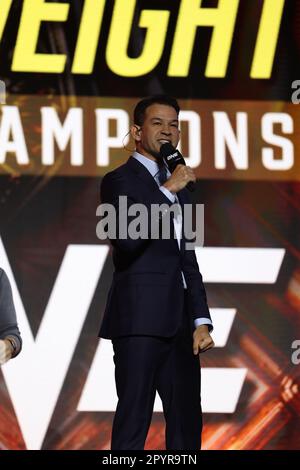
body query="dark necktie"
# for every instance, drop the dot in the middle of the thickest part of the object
(162, 174)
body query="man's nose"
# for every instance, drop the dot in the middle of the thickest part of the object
(166, 130)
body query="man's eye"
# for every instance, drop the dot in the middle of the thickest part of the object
(156, 123)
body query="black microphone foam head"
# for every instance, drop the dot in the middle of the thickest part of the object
(171, 155)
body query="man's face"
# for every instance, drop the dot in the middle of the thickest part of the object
(160, 126)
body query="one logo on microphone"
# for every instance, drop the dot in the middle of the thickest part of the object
(174, 155)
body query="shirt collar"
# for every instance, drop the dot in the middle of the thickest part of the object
(151, 165)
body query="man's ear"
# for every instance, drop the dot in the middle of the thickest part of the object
(135, 131)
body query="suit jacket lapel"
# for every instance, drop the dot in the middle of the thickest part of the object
(142, 172)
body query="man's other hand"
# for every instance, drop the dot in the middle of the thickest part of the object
(202, 339)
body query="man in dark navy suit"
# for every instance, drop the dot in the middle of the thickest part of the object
(156, 313)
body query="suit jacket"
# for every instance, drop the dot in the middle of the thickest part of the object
(146, 295)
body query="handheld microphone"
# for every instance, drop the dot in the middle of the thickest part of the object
(173, 158)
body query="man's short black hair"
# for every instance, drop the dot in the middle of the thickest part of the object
(140, 109)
